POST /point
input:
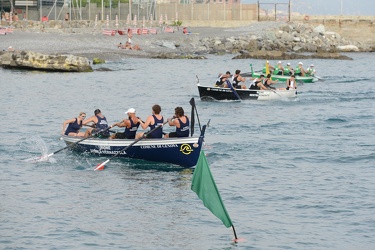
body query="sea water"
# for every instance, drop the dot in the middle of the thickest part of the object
(293, 174)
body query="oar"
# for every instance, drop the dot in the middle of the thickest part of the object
(93, 126)
(192, 103)
(233, 90)
(101, 165)
(45, 157)
(192, 117)
(274, 91)
(320, 79)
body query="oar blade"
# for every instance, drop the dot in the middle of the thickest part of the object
(41, 158)
(101, 166)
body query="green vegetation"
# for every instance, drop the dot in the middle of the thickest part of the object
(97, 61)
(177, 23)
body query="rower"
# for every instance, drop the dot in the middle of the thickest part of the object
(258, 83)
(299, 70)
(310, 71)
(279, 69)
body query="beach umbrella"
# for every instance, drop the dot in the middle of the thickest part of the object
(96, 20)
(116, 21)
(176, 16)
(135, 20)
(166, 19)
(144, 22)
(107, 21)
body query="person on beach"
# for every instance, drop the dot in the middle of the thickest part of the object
(131, 125)
(101, 125)
(67, 16)
(185, 31)
(258, 84)
(74, 125)
(237, 79)
(127, 45)
(268, 82)
(153, 121)
(299, 70)
(15, 17)
(181, 122)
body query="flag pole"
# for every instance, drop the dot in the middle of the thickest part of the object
(234, 232)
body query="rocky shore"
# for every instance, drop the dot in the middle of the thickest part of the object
(260, 39)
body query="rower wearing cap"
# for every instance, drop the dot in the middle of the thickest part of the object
(288, 70)
(270, 67)
(279, 69)
(310, 71)
(299, 70)
(131, 125)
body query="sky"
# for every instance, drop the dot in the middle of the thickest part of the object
(324, 7)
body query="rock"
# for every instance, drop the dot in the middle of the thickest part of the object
(103, 69)
(348, 48)
(96, 60)
(169, 45)
(320, 29)
(38, 61)
(277, 55)
(336, 56)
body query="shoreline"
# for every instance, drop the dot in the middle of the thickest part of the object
(91, 43)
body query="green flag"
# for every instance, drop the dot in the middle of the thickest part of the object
(204, 186)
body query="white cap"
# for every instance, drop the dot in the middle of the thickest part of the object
(300, 63)
(279, 62)
(312, 65)
(131, 110)
(288, 64)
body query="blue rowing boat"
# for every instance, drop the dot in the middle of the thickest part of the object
(180, 151)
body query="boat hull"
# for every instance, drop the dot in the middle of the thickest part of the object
(282, 78)
(207, 93)
(180, 151)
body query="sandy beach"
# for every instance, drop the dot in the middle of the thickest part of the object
(92, 43)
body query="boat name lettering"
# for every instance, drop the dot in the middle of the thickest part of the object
(219, 90)
(159, 146)
(102, 147)
(108, 152)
